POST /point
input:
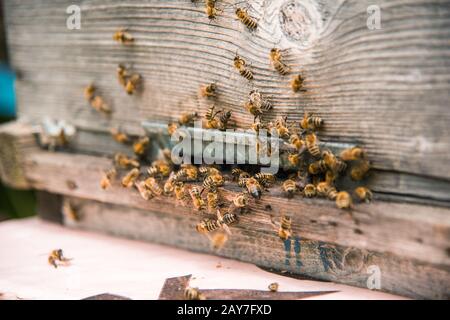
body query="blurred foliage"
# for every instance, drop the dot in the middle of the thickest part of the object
(16, 203)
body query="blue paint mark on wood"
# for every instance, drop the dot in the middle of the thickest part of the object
(323, 256)
(297, 250)
(287, 248)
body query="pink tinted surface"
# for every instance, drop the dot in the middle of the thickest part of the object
(105, 264)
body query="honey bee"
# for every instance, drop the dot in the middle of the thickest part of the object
(208, 91)
(119, 136)
(241, 200)
(159, 167)
(212, 182)
(311, 145)
(109, 175)
(99, 105)
(207, 225)
(322, 188)
(311, 122)
(273, 287)
(223, 120)
(89, 92)
(132, 83)
(332, 162)
(236, 173)
(210, 116)
(141, 145)
(245, 18)
(278, 65)
(169, 185)
(57, 256)
(123, 37)
(242, 181)
(343, 200)
(212, 200)
(359, 171)
(294, 159)
(193, 294)
(280, 126)
(153, 185)
(196, 197)
(330, 177)
(210, 9)
(188, 118)
(352, 154)
(332, 193)
(317, 167)
(309, 190)
(363, 194)
(296, 141)
(290, 187)
(253, 110)
(265, 179)
(297, 83)
(240, 65)
(130, 178)
(123, 161)
(257, 126)
(187, 172)
(253, 187)
(145, 193)
(205, 171)
(218, 240)
(227, 219)
(285, 230)
(256, 98)
(172, 128)
(180, 192)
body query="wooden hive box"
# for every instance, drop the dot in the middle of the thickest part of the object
(387, 90)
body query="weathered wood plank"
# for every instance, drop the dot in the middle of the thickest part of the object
(387, 89)
(299, 255)
(2, 37)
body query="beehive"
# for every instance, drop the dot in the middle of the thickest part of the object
(386, 90)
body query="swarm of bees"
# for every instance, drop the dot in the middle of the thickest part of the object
(313, 171)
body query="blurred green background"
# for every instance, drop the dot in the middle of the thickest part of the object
(13, 203)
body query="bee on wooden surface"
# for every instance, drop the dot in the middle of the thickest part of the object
(196, 197)
(159, 167)
(212, 200)
(240, 65)
(237, 172)
(207, 225)
(285, 230)
(205, 171)
(228, 219)
(296, 141)
(343, 200)
(119, 136)
(309, 190)
(188, 172)
(312, 145)
(128, 81)
(212, 182)
(208, 91)
(99, 105)
(317, 167)
(297, 83)
(145, 193)
(332, 193)
(224, 118)
(257, 99)
(256, 126)
(330, 177)
(123, 36)
(352, 154)
(294, 159)
(210, 116)
(322, 188)
(89, 92)
(109, 175)
(333, 163)
(253, 187)
(363, 194)
(193, 294)
(253, 110)
(290, 187)
(278, 65)
(241, 200)
(265, 179)
(56, 256)
(281, 127)
(245, 18)
(123, 161)
(141, 145)
(169, 185)
(242, 181)
(153, 185)
(187, 118)
(172, 128)
(210, 9)
(122, 75)
(360, 170)
(130, 178)
(218, 240)
(181, 193)
(273, 287)
(311, 122)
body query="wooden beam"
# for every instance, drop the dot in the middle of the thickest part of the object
(386, 89)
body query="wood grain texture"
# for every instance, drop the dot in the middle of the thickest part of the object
(3, 53)
(300, 255)
(387, 89)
